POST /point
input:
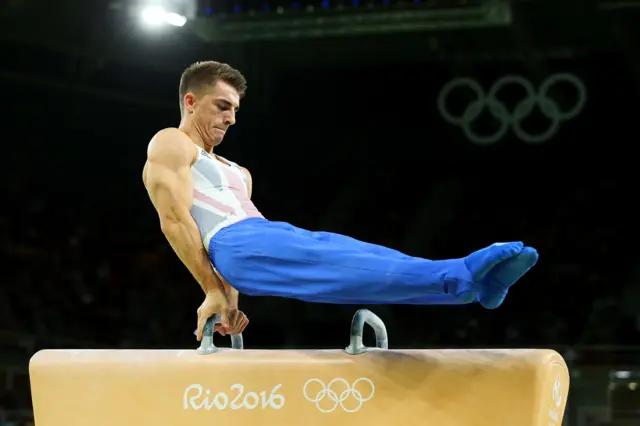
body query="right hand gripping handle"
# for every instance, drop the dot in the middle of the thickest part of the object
(206, 344)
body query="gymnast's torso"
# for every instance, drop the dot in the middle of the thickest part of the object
(220, 194)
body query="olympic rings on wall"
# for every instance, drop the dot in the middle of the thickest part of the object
(512, 119)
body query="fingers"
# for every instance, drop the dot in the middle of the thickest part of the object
(202, 320)
(214, 302)
(223, 327)
(205, 311)
(239, 325)
(238, 321)
(231, 322)
(218, 328)
(244, 325)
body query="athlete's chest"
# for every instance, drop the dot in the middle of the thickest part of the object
(220, 172)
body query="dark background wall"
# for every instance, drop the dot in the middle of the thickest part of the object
(341, 134)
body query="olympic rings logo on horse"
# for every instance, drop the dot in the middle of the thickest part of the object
(337, 400)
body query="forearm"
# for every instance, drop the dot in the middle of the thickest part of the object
(184, 238)
(232, 293)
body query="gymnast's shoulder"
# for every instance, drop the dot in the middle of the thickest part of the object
(172, 141)
(170, 134)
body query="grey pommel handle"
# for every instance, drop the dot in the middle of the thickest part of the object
(206, 344)
(362, 317)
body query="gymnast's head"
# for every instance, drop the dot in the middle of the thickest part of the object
(210, 94)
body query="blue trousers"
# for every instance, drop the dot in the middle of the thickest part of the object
(264, 258)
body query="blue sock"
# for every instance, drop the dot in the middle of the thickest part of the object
(480, 262)
(497, 282)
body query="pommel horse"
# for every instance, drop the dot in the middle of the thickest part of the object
(357, 385)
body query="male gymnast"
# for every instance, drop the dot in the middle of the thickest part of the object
(205, 210)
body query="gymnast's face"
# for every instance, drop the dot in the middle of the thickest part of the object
(213, 111)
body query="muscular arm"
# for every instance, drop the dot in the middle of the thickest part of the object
(167, 177)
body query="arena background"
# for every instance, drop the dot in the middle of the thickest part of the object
(342, 132)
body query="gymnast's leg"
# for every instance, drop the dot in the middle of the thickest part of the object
(494, 286)
(259, 257)
(346, 241)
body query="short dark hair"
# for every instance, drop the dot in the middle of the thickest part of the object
(202, 75)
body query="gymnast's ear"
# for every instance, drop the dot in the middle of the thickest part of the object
(189, 102)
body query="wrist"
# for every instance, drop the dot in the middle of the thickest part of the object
(233, 298)
(216, 291)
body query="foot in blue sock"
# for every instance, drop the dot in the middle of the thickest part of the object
(502, 276)
(479, 263)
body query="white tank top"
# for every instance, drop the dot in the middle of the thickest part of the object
(220, 195)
